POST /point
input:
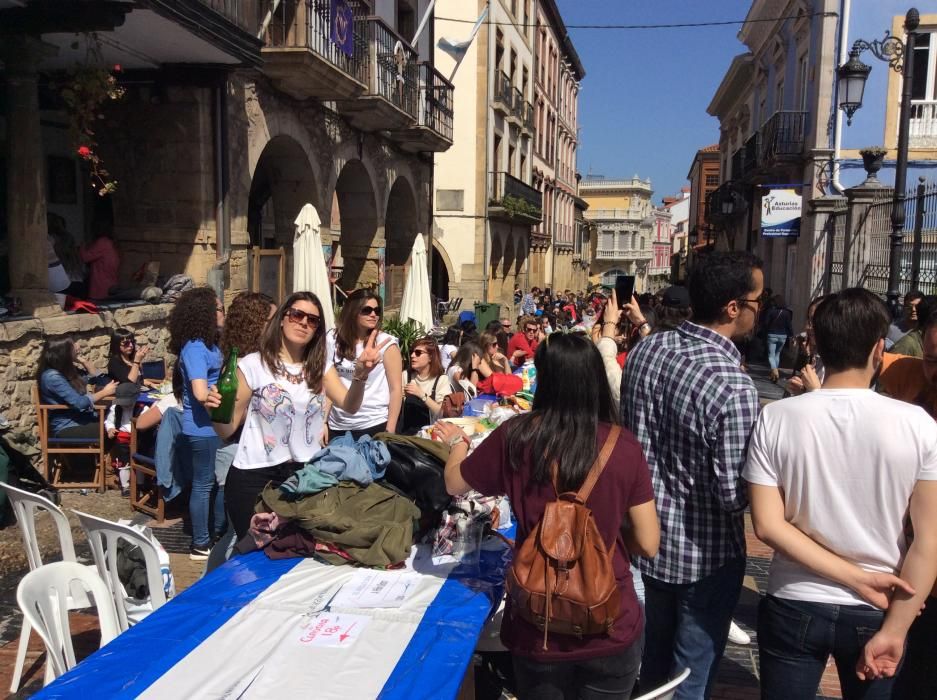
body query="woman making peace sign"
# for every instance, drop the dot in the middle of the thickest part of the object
(282, 391)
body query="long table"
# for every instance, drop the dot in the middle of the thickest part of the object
(244, 630)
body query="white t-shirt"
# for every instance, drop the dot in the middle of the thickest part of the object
(376, 402)
(846, 461)
(446, 353)
(284, 420)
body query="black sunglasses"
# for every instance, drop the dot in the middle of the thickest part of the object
(297, 316)
(419, 353)
(369, 311)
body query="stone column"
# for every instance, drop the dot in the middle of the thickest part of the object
(821, 239)
(855, 246)
(26, 194)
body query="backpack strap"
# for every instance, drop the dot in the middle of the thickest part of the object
(599, 465)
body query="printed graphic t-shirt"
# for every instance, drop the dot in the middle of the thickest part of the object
(284, 420)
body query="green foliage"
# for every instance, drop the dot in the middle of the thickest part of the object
(406, 332)
(517, 207)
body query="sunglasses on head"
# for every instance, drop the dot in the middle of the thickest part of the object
(298, 316)
(369, 310)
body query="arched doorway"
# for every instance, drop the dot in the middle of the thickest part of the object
(400, 226)
(283, 182)
(355, 226)
(440, 281)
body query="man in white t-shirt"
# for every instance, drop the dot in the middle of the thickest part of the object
(834, 475)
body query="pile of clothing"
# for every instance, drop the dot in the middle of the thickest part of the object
(358, 502)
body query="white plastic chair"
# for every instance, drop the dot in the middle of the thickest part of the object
(43, 596)
(666, 692)
(102, 531)
(25, 505)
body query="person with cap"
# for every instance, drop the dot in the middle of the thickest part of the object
(674, 308)
(118, 427)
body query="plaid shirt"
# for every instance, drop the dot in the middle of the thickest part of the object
(685, 398)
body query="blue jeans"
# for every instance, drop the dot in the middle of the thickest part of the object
(795, 639)
(776, 344)
(686, 626)
(207, 498)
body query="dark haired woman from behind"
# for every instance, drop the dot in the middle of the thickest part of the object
(194, 326)
(61, 382)
(383, 392)
(571, 418)
(282, 390)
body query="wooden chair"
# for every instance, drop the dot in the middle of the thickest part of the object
(51, 446)
(145, 493)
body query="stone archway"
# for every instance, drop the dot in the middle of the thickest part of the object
(283, 182)
(400, 231)
(441, 279)
(355, 226)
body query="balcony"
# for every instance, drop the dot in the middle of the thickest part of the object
(391, 100)
(513, 200)
(780, 140)
(611, 214)
(245, 14)
(923, 131)
(602, 253)
(433, 130)
(301, 58)
(504, 94)
(527, 118)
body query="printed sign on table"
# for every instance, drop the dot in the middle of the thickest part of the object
(780, 213)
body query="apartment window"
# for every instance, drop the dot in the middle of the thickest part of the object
(513, 71)
(802, 83)
(522, 172)
(779, 96)
(525, 78)
(496, 154)
(712, 180)
(924, 83)
(499, 50)
(406, 19)
(511, 151)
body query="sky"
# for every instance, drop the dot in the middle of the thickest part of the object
(642, 106)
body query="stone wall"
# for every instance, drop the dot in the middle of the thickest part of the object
(21, 343)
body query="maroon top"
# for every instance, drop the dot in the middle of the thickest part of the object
(626, 482)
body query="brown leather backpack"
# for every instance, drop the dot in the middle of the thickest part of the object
(562, 579)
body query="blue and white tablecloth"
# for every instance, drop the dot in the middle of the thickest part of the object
(241, 632)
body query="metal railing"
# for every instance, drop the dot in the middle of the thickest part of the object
(637, 214)
(393, 67)
(246, 14)
(518, 108)
(782, 135)
(528, 116)
(750, 153)
(836, 246)
(923, 127)
(622, 254)
(307, 24)
(504, 91)
(504, 185)
(435, 101)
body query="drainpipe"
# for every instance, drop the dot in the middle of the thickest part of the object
(485, 243)
(838, 123)
(222, 221)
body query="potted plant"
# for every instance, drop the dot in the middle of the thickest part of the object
(406, 332)
(872, 160)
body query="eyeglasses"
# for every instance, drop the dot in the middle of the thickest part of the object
(369, 311)
(756, 302)
(297, 316)
(128, 341)
(506, 326)
(416, 352)
(531, 329)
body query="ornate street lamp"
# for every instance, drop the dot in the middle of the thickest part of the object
(852, 76)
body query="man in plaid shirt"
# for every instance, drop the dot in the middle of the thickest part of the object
(686, 399)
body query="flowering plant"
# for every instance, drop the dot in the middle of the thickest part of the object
(84, 93)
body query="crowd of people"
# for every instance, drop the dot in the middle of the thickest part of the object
(840, 478)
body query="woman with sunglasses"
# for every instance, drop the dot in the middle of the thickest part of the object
(282, 392)
(194, 327)
(383, 391)
(125, 358)
(493, 359)
(425, 388)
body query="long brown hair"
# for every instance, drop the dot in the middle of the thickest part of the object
(314, 353)
(245, 323)
(429, 345)
(346, 335)
(57, 354)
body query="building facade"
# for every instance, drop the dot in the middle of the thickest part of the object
(484, 203)
(558, 73)
(680, 247)
(704, 177)
(227, 119)
(623, 220)
(658, 273)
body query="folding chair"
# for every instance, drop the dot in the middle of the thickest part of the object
(103, 537)
(145, 493)
(25, 505)
(43, 595)
(51, 446)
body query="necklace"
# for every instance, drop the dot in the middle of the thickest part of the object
(283, 372)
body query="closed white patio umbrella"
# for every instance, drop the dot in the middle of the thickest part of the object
(310, 273)
(416, 303)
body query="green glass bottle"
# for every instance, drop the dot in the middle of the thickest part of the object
(228, 388)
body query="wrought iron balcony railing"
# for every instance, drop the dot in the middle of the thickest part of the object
(392, 65)
(435, 101)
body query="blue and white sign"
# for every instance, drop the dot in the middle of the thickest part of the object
(780, 213)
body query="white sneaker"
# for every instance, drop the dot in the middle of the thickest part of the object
(737, 635)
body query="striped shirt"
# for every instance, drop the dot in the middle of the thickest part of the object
(686, 399)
